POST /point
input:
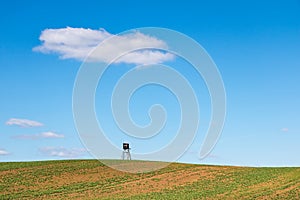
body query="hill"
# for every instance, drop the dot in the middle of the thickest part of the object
(89, 179)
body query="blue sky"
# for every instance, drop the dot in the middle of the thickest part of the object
(256, 46)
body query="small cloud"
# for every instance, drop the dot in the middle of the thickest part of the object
(25, 123)
(77, 43)
(51, 135)
(284, 129)
(3, 152)
(48, 134)
(62, 152)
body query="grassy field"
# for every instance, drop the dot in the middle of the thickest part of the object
(89, 179)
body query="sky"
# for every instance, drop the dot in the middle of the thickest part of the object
(254, 44)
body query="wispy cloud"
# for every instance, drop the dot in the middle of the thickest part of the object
(51, 135)
(48, 134)
(284, 129)
(3, 152)
(25, 123)
(77, 43)
(62, 152)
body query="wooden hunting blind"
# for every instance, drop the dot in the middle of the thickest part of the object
(126, 152)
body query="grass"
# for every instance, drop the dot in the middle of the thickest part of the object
(89, 179)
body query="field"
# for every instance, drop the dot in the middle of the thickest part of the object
(89, 179)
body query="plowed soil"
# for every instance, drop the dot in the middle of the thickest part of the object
(90, 179)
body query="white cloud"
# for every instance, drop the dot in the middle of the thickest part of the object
(48, 134)
(77, 43)
(3, 152)
(284, 129)
(51, 135)
(25, 123)
(62, 152)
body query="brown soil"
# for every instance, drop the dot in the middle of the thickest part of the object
(91, 179)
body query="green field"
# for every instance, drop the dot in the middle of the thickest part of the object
(89, 179)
